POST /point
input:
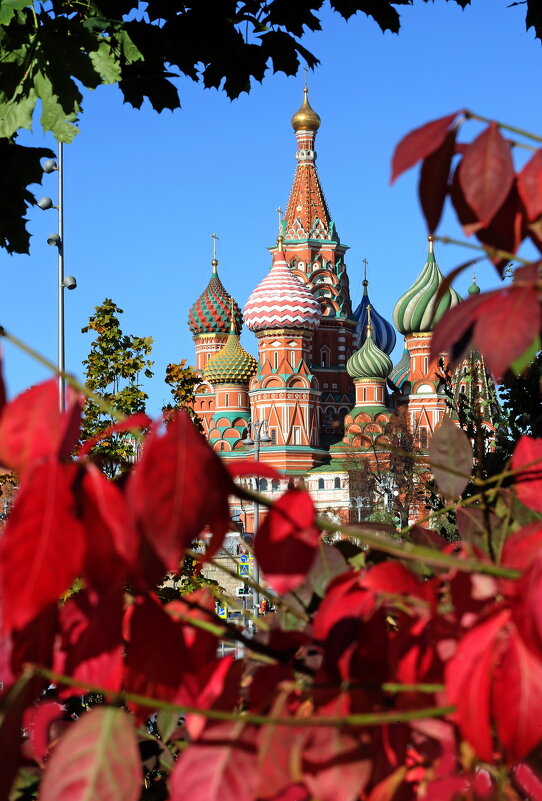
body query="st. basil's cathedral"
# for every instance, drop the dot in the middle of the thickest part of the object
(323, 390)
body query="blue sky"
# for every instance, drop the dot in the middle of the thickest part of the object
(143, 192)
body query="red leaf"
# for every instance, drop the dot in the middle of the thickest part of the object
(221, 766)
(487, 173)
(517, 698)
(505, 231)
(468, 682)
(135, 421)
(13, 703)
(38, 723)
(450, 456)
(420, 143)
(433, 185)
(34, 642)
(43, 545)
(530, 186)
(178, 487)
(286, 542)
(522, 547)
(108, 528)
(249, 468)
(336, 767)
(150, 668)
(32, 427)
(528, 482)
(528, 781)
(453, 332)
(527, 604)
(92, 643)
(98, 758)
(395, 579)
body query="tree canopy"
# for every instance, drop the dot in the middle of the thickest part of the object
(50, 51)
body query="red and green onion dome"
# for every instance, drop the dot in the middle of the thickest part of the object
(415, 311)
(231, 365)
(369, 361)
(383, 331)
(211, 313)
(281, 301)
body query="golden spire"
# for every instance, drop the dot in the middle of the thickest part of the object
(431, 240)
(306, 118)
(233, 327)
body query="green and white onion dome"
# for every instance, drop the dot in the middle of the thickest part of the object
(415, 311)
(231, 365)
(369, 361)
(474, 289)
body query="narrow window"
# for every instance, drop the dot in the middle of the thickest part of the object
(263, 485)
(275, 360)
(324, 358)
(321, 483)
(226, 399)
(425, 364)
(273, 435)
(337, 482)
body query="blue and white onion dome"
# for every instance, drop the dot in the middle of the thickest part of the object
(281, 301)
(383, 331)
(369, 361)
(415, 311)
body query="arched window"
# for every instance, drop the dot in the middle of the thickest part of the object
(264, 485)
(324, 357)
(275, 485)
(337, 482)
(321, 483)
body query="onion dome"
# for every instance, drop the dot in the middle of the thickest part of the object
(401, 371)
(232, 364)
(210, 314)
(306, 118)
(369, 361)
(474, 289)
(383, 331)
(415, 311)
(281, 301)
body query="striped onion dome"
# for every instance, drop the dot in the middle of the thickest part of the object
(369, 361)
(211, 313)
(401, 371)
(281, 301)
(232, 364)
(383, 331)
(415, 311)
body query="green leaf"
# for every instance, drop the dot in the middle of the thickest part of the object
(526, 358)
(17, 114)
(9, 7)
(105, 63)
(53, 116)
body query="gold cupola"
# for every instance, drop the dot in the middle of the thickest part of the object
(306, 119)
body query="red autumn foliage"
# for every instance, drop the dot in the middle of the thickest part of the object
(379, 678)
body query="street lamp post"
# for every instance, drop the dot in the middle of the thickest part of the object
(256, 435)
(64, 282)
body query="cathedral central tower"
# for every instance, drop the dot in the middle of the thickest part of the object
(314, 253)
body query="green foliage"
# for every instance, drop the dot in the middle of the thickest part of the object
(182, 381)
(113, 367)
(522, 410)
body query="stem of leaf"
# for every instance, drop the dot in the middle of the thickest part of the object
(470, 115)
(490, 252)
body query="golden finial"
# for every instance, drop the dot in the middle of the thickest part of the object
(369, 326)
(279, 212)
(431, 240)
(306, 118)
(233, 327)
(214, 262)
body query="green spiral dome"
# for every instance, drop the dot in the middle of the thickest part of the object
(369, 361)
(415, 311)
(231, 365)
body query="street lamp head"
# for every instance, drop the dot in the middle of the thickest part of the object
(54, 240)
(248, 442)
(45, 203)
(265, 438)
(49, 166)
(69, 282)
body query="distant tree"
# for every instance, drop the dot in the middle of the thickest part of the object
(182, 381)
(113, 368)
(49, 51)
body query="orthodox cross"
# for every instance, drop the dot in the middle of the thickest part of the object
(365, 263)
(279, 212)
(214, 237)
